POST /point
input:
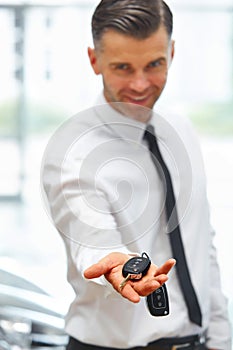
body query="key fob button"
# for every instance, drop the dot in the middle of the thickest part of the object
(158, 303)
(136, 265)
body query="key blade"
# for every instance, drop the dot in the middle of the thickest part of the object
(123, 283)
(131, 276)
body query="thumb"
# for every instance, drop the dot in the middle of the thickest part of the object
(96, 270)
(105, 265)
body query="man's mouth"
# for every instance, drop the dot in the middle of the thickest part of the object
(138, 99)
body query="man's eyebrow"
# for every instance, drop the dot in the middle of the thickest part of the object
(119, 63)
(162, 58)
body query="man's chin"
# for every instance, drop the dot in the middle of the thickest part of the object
(133, 111)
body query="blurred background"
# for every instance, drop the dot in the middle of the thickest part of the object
(45, 78)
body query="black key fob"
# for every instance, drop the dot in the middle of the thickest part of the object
(157, 302)
(136, 267)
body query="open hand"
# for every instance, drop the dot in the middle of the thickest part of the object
(111, 267)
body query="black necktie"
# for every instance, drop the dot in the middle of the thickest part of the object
(174, 231)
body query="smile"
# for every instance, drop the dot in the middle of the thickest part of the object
(142, 100)
(138, 99)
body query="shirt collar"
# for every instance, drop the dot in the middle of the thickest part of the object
(120, 125)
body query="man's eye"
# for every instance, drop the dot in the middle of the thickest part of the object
(155, 64)
(122, 66)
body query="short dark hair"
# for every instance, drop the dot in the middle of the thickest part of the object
(136, 18)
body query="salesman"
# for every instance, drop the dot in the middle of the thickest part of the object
(108, 195)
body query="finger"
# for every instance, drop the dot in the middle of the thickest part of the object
(144, 288)
(166, 267)
(129, 293)
(161, 279)
(93, 271)
(105, 265)
(97, 270)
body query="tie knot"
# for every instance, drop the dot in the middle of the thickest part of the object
(149, 130)
(149, 136)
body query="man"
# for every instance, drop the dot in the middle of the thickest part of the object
(106, 197)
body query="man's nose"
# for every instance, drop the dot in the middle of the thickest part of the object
(139, 82)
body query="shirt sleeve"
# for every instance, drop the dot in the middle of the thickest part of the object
(219, 330)
(81, 212)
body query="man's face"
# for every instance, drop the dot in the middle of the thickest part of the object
(134, 71)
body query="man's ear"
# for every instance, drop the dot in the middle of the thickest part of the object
(93, 60)
(173, 49)
(171, 52)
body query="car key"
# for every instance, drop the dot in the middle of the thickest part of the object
(135, 268)
(157, 302)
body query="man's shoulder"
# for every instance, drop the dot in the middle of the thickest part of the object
(171, 126)
(79, 123)
(175, 119)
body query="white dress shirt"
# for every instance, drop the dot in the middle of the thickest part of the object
(104, 194)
